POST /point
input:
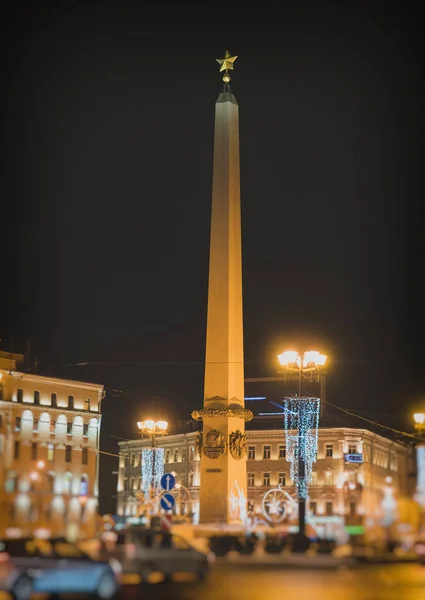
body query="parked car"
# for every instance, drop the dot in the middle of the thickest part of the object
(145, 551)
(54, 567)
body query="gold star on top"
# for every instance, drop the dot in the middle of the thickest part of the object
(226, 63)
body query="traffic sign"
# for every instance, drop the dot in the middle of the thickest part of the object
(168, 481)
(167, 501)
(166, 522)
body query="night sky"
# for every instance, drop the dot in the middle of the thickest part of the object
(106, 172)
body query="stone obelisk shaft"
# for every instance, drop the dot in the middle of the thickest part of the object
(223, 477)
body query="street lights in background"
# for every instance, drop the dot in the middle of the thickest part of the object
(419, 424)
(295, 365)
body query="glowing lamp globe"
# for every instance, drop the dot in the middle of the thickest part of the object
(419, 418)
(162, 425)
(314, 358)
(288, 357)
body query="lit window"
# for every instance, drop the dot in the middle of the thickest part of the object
(69, 428)
(266, 451)
(50, 452)
(183, 454)
(329, 450)
(85, 429)
(251, 452)
(266, 479)
(192, 453)
(251, 479)
(54, 400)
(86, 403)
(84, 486)
(329, 478)
(36, 397)
(18, 424)
(68, 453)
(71, 402)
(282, 452)
(85, 456)
(352, 449)
(20, 395)
(282, 479)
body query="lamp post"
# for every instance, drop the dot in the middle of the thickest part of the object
(295, 364)
(152, 429)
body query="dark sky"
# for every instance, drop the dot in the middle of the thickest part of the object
(108, 114)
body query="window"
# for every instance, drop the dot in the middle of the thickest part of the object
(87, 403)
(85, 456)
(251, 452)
(329, 478)
(50, 452)
(176, 455)
(313, 508)
(329, 450)
(20, 395)
(54, 400)
(352, 449)
(167, 456)
(69, 428)
(266, 479)
(35, 426)
(282, 479)
(282, 452)
(329, 509)
(16, 449)
(251, 479)
(68, 453)
(71, 402)
(192, 453)
(266, 452)
(34, 451)
(18, 424)
(132, 460)
(191, 479)
(352, 509)
(85, 429)
(67, 481)
(84, 486)
(36, 397)
(183, 454)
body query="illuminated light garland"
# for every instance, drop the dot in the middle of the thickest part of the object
(420, 485)
(301, 425)
(152, 468)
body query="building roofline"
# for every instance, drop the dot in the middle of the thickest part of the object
(84, 385)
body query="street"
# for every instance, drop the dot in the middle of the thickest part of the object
(397, 582)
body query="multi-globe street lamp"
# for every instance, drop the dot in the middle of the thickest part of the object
(306, 413)
(152, 428)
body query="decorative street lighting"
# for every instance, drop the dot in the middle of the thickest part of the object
(419, 419)
(302, 414)
(153, 457)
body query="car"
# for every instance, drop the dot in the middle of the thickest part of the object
(54, 566)
(143, 551)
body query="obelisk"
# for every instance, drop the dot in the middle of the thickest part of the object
(222, 445)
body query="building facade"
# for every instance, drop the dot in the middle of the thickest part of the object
(353, 471)
(49, 451)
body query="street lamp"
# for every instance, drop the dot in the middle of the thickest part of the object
(151, 427)
(419, 424)
(306, 415)
(294, 363)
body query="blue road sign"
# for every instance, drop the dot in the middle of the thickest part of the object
(167, 501)
(168, 481)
